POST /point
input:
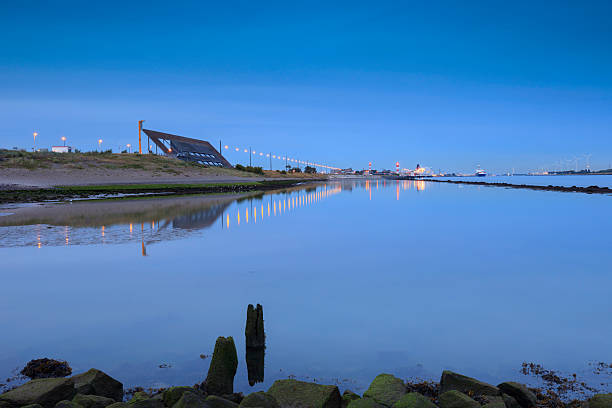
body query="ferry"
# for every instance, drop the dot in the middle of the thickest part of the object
(480, 172)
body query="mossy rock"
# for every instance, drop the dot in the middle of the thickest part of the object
(173, 394)
(191, 400)
(520, 393)
(220, 378)
(66, 404)
(118, 405)
(96, 382)
(32, 406)
(456, 399)
(147, 403)
(386, 389)
(364, 403)
(467, 385)
(601, 401)
(347, 397)
(214, 401)
(414, 400)
(92, 401)
(138, 396)
(45, 391)
(293, 393)
(259, 399)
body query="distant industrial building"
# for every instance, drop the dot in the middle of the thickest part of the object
(61, 149)
(188, 149)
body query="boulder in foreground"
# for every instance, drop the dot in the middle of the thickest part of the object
(294, 393)
(452, 381)
(520, 393)
(601, 401)
(214, 401)
(190, 400)
(386, 389)
(92, 401)
(96, 382)
(220, 378)
(173, 394)
(46, 392)
(414, 400)
(365, 403)
(456, 399)
(259, 399)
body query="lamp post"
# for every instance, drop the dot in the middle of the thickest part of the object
(100, 145)
(129, 146)
(35, 134)
(64, 140)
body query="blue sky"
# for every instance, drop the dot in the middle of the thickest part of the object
(448, 84)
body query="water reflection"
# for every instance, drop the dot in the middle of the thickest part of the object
(160, 219)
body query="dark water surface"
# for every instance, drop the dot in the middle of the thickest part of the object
(355, 279)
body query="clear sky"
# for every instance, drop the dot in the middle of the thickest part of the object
(447, 84)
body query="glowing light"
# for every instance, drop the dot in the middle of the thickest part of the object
(261, 154)
(237, 149)
(226, 147)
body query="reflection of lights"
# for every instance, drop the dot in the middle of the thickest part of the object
(103, 228)
(238, 217)
(262, 211)
(254, 215)
(268, 209)
(227, 223)
(131, 228)
(247, 215)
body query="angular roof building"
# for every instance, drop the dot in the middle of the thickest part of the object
(188, 149)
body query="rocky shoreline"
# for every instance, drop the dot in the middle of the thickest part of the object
(95, 389)
(562, 189)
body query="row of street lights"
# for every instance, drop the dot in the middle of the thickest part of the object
(63, 138)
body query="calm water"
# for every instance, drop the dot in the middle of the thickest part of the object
(355, 279)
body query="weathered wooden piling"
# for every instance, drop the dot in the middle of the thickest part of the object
(254, 331)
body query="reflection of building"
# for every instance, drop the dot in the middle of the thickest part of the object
(185, 148)
(200, 219)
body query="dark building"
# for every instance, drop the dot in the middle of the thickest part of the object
(188, 149)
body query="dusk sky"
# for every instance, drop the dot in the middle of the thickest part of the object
(447, 84)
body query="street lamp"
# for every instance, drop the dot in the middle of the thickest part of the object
(35, 134)
(64, 140)
(100, 145)
(129, 146)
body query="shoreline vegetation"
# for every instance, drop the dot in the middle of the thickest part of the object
(132, 191)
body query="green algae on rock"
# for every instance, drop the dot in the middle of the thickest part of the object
(259, 399)
(456, 399)
(414, 400)
(365, 403)
(292, 393)
(223, 366)
(92, 401)
(46, 392)
(520, 393)
(386, 389)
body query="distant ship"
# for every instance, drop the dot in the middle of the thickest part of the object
(480, 172)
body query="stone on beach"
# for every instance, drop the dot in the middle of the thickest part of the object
(220, 378)
(191, 400)
(294, 393)
(254, 331)
(386, 389)
(66, 404)
(259, 399)
(92, 401)
(214, 401)
(520, 393)
(46, 392)
(414, 400)
(365, 403)
(456, 399)
(173, 394)
(96, 382)
(453, 381)
(347, 397)
(600, 401)
(510, 402)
